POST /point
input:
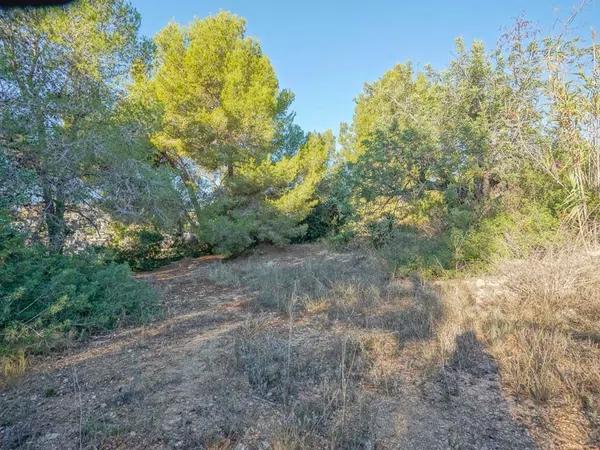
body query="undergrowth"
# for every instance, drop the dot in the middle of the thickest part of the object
(49, 299)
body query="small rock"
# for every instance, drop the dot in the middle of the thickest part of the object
(50, 436)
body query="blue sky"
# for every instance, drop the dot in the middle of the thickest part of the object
(324, 51)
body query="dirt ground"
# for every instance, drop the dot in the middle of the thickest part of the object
(175, 383)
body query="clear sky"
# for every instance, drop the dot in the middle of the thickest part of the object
(324, 51)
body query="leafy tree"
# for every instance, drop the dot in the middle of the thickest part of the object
(216, 97)
(60, 75)
(393, 153)
(268, 201)
(289, 137)
(454, 165)
(473, 95)
(215, 107)
(400, 99)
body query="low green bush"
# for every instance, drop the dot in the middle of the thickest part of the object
(465, 243)
(506, 234)
(229, 227)
(48, 298)
(146, 248)
(140, 248)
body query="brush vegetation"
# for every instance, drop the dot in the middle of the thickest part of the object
(119, 153)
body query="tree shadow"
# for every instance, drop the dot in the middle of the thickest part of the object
(456, 402)
(467, 391)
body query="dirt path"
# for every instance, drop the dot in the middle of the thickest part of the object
(174, 384)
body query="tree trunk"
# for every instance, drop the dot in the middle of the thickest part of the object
(54, 217)
(482, 186)
(176, 163)
(191, 189)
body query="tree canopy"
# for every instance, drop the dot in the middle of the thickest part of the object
(61, 78)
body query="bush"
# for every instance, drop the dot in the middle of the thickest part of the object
(467, 242)
(505, 234)
(230, 227)
(145, 248)
(48, 297)
(140, 247)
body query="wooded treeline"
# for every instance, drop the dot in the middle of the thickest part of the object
(118, 151)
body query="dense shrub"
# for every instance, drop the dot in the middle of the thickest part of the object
(140, 247)
(467, 241)
(48, 297)
(231, 226)
(506, 234)
(146, 248)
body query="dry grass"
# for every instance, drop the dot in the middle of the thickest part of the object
(277, 286)
(13, 365)
(350, 335)
(337, 349)
(544, 330)
(316, 380)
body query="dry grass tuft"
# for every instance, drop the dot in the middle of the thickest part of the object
(277, 286)
(269, 361)
(13, 365)
(544, 330)
(316, 379)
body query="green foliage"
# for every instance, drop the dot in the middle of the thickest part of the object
(289, 137)
(507, 234)
(61, 76)
(48, 297)
(458, 168)
(232, 225)
(331, 215)
(214, 106)
(467, 242)
(140, 247)
(192, 135)
(267, 201)
(217, 92)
